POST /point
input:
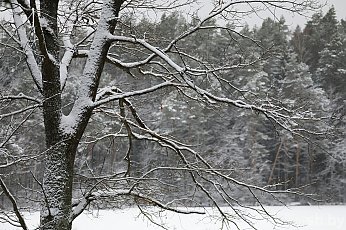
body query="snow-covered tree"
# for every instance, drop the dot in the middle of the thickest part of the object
(47, 33)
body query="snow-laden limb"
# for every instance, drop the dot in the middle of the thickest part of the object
(105, 194)
(80, 206)
(20, 96)
(67, 58)
(18, 160)
(193, 168)
(68, 22)
(111, 194)
(153, 49)
(19, 111)
(161, 5)
(25, 43)
(94, 139)
(115, 95)
(38, 22)
(89, 81)
(179, 147)
(97, 53)
(285, 119)
(219, 10)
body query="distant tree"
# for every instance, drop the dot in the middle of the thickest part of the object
(296, 85)
(331, 68)
(298, 44)
(318, 32)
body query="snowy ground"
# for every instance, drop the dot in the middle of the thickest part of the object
(303, 217)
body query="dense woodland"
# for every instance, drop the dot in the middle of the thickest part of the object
(304, 68)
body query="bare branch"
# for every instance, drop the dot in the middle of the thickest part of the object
(14, 204)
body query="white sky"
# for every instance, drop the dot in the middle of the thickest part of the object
(293, 19)
(340, 7)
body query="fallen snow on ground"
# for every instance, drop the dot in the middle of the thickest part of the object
(303, 217)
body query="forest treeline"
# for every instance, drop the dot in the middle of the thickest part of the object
(302, 70)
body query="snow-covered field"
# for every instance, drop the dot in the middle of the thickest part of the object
(303, 217)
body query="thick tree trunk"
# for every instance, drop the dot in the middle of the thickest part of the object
(56, 211)
(58, 174)
(57, 186)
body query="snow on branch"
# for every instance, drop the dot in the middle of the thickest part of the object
(20, 96)
(66, 60)
(199, 171)
(160, 5)
(68, 25)
(115, 95)
(20, 111)
(107, 194)
(278, 114)
(150, 47)
(17, 160)
(178, 147)
(25, 43)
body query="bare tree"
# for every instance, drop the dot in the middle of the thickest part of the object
(45, 32)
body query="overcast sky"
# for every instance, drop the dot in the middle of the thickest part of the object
(293, 19)
(340, 7)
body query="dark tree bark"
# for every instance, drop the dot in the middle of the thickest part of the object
(61, 145)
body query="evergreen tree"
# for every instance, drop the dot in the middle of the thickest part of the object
(312, 41)
(331, 71)
(298, 44)
(319, 32)
(297, 89)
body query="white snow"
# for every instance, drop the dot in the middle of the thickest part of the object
(150, 47)
(302, 217)
(24, 42)
(70, 122)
